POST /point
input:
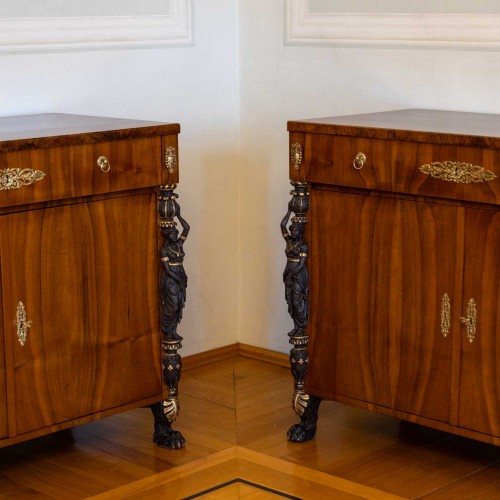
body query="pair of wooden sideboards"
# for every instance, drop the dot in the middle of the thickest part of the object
(397, 310)
(80, 334)
(402, 242)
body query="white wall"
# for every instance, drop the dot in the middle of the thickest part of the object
(239, 77)
(280, 83)
(195, 86)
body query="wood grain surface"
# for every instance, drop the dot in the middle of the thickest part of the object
(417, 125)
(87, 276)
(376, 292)
(48, 130)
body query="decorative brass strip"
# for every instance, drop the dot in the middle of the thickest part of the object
(445, 315)
(23, 325)
(471, 320)
(170, 159)
(296, 155)
(453, 171)
(15, 178)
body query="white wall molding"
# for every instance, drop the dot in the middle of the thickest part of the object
(89, 33)
(453, 31)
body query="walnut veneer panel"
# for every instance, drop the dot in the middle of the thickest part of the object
(57, 129)
(375, 297)
(394, 166)
(73, 171)
(94, 342)
(3, 383)
(480, 359)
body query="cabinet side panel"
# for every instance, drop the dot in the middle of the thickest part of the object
(479, 407)
(3, 380)
(377, 280)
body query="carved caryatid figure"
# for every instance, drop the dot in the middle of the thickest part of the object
(295, 275)
(296, 279)
(173, 283)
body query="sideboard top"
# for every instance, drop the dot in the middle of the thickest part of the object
(418, 125)
(58, 129)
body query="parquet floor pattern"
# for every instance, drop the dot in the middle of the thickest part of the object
(234, 415)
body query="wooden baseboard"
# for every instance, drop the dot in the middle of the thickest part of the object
(274, 357)
(230, 351)
(209, 357)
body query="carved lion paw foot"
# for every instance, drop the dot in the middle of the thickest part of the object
(299, 433)
(172, 440)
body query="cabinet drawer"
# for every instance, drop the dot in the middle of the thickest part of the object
(401, 166)
(464, 173)
(74, 171)
(334, 160)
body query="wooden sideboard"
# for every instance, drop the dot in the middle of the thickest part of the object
(402, 240)
(80, 335)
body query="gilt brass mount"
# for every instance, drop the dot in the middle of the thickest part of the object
(103, 164)
(296, 155)
(470, 320)
(22, 323)
(445, 315)
(453, 171)
(170, 159)
(15, 178)
(359, 161)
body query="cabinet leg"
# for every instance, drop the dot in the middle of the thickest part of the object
(166, 411)
(306, 406)
(173, 284)
(296, 279)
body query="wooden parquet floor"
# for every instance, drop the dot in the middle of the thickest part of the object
(234, 416)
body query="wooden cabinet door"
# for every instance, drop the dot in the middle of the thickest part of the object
(3, 379)
(479, 403)
(87, 276)
(379, 267)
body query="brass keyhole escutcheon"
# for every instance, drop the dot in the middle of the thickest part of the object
(470, 320)
(22, 323)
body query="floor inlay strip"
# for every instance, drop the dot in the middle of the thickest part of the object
(237, 465)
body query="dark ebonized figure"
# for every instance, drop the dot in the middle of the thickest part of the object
(296, 279)
(173, 283)
(295, 275)
(173, 280)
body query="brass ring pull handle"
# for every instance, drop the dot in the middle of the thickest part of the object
(22, 323)
(470, 320)
(103, 164)
(359, 161)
